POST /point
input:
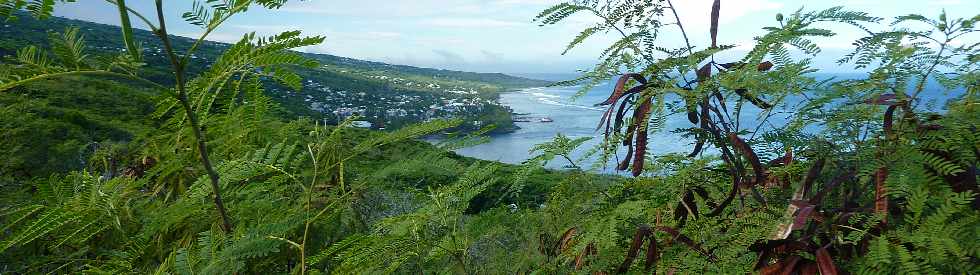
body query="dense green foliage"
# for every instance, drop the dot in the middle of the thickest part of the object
(111, 172)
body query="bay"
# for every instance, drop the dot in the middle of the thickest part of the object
(577, 117)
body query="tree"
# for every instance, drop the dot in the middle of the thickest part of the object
(821, 187)
(250, 57)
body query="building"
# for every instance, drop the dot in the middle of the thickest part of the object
(361, 124)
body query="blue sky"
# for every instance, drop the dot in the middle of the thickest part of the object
(499, 35)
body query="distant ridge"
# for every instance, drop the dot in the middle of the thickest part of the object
(112, 35)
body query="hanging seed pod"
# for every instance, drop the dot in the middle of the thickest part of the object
(625, 163)
(753, 159)
(652, 254)
(618, 123)
(889, 118)
(825, 263)
(812, 175)
(641, 233)
(881, 199)
(639, 124)
(697, 148)
(565, 242)
(715, 12)
(620, 88)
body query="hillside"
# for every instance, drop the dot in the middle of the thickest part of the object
(107, 172)
(385, 95)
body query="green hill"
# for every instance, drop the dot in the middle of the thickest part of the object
(387, 95)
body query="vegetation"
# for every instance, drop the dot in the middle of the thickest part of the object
(336, 83)
(200, 174)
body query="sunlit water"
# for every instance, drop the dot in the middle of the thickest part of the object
(578, 117)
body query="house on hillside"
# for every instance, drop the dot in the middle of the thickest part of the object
(362, 124)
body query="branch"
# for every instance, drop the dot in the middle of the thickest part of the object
(195, 124)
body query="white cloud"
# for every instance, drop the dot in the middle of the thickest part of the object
(471, 23)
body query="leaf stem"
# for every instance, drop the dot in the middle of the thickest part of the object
(179, 72)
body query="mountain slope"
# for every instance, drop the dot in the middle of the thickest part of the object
(383, 94)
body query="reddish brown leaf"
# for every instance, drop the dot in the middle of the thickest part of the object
(825, 263)
(620, 88)
(715, 12)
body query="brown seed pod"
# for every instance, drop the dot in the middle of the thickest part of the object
(641, 233)
(623, 165)
(715, 12)
(704, 72)
(640, 127)
(881, 199)
(753, 159)
(825, 263)
(889, 118)
(652, 254)
(764, 66)
(620, 88)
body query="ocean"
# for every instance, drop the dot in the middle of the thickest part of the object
(578, 117)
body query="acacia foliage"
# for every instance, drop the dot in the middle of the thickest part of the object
(884, 185)
(844, 182)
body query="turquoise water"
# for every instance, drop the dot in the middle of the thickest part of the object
(572, 117)
(578, 118)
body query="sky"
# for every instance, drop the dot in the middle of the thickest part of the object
(500, 35)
